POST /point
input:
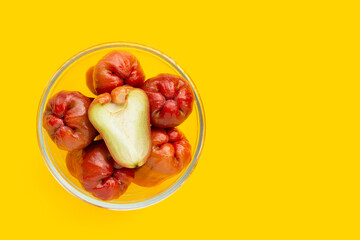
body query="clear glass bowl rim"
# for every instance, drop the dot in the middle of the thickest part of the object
(96, 202)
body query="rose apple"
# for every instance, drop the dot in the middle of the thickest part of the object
(113, 70)
(92, 166)
(66, 120)
(122, 119)
(171, 153)
(171, 100)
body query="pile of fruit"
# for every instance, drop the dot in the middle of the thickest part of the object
(127, 133)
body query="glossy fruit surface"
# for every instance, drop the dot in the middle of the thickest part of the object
(66, 120)
(171, 153)
(115, 69)
(93, 168)
(171, 100)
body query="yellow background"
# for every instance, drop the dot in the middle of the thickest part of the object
(280, 85)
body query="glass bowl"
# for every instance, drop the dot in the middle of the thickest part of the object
(71, 76)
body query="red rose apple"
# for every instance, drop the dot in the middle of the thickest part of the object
(66, 120)
(114, 70)
(171, 100)
(171, 153)
(93, 167)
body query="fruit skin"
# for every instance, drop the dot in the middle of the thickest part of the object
(93, 168)
(122, 119)
(115, 69)
(66, 120)
(171, 100)
(171, 153)
(124, 176)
